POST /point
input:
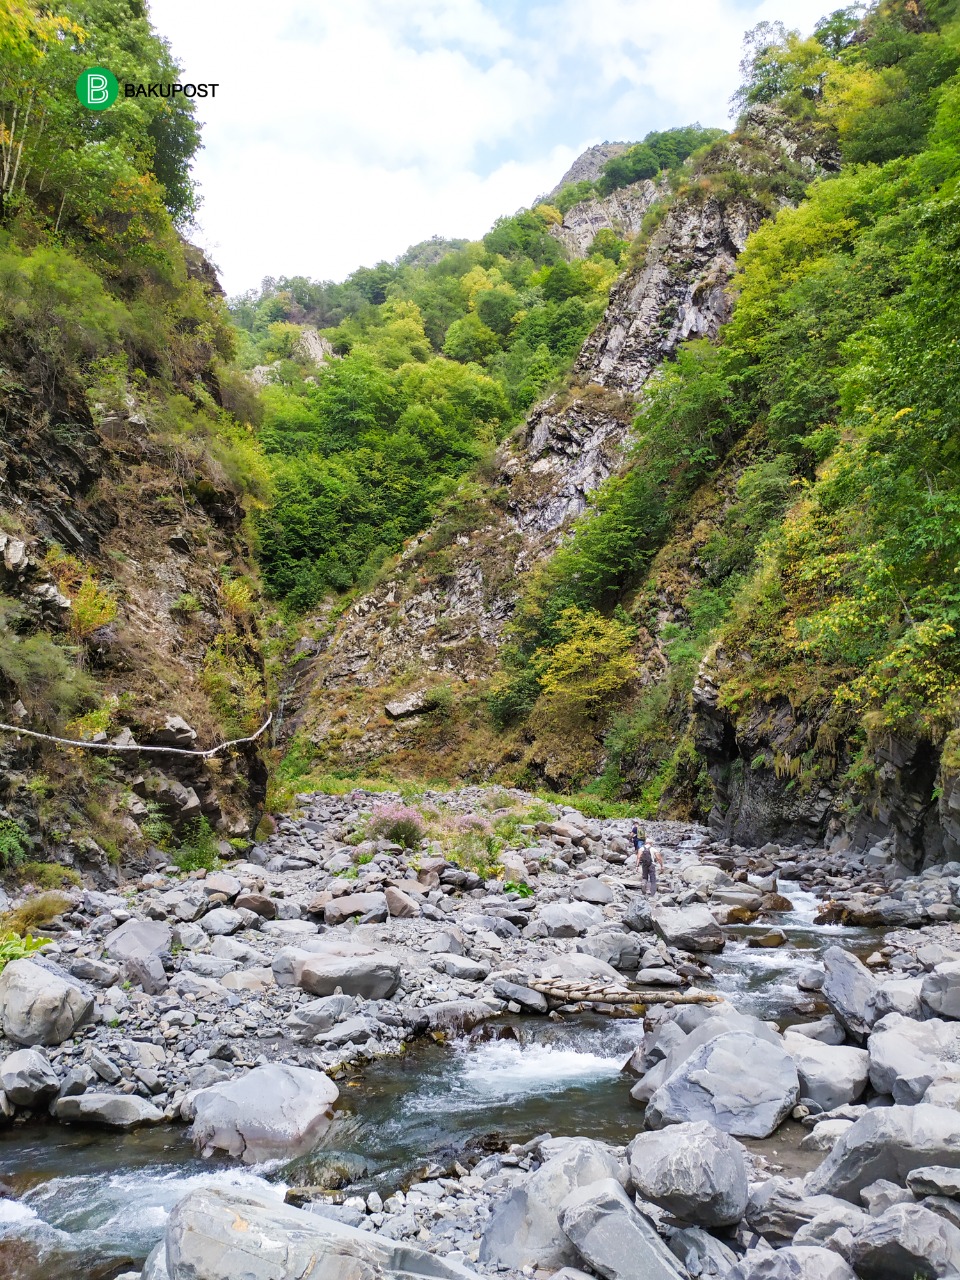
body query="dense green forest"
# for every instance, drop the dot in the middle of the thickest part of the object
(441, 354)
(831, 575)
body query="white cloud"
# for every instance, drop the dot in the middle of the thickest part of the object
(341, 133)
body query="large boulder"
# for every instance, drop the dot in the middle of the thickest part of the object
(613, 1237)
(524, 1228)
(940, 990)
(374, 976)
(907, 1056)
(801, 1263)
(830, 1075)
(355, 904)
(887, 1142)
(691, 928)
(695, 1172)
(229, 1234)
(113, 1110)
(137, 938)
(27, 1078)
(742, 1084)
(779, 1207)
(273, 1111)
(905, 1242)
(39, 1007)
(850, 990)
(569, 919)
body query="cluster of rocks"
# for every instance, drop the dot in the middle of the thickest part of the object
(232, 1000)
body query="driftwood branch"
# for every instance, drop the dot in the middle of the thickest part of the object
(112, 748)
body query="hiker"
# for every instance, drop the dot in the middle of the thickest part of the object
(646, 854)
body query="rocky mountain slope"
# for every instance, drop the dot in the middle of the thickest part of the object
(439, 615)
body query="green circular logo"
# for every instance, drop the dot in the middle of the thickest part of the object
(97, 88)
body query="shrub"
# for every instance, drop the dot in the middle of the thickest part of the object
(36, 912)
(397, 822)
(198, 850)
(49, 875)
(13, 843)
(13, 947)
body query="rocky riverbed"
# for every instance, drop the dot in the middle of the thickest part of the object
(815, 1135)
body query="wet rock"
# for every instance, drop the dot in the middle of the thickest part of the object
(524, 1228)
(27, 1078)
(691, 928)
(39, 1007)
(457, 1016)
(113, 1110)
(830, 1075)
(887, 1142)
(849, 988)
(693, 1171)
(905, 1242)
(803, 1263)
(613, 1237)
(272, 1112)
(744, 1085)
(216, 1234)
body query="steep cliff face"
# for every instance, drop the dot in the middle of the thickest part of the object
(118, 538)
(587, 166)
(622, 212)
(438, 616)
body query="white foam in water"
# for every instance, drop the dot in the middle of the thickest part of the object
(13, 1213)
(504, 1068)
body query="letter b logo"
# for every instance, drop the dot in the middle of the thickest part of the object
(97, 88)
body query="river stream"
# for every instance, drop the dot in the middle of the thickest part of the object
(85, 1202)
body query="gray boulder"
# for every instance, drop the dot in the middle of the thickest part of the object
(887, 1142)
(222, 921)
(524, 1229)
(137, 938)
(693, 1171)
(849, 988)
(907, 1056)
(273, 1111)
(614, 1238)
(932, 1180)
(308, 1020)
(114, 1110)
(569, 919)
(802, 1263)
(691, 928)
(355, 904)
(39, 1007)
(702, 1254)
(27, 1078)
(357, 971)
(779, 1208)
(905, 1242)
(155, 1267)
(218, 1234)
(940, 990)
(530, 1001)
(740, 1083)
(830, 1075)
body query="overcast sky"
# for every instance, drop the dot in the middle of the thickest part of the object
(345, 130)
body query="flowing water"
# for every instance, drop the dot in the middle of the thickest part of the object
(87, 1203)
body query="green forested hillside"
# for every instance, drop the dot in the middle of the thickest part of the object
(126, 579)
(819, 437)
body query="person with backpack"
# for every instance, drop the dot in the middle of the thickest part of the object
(647, 854)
